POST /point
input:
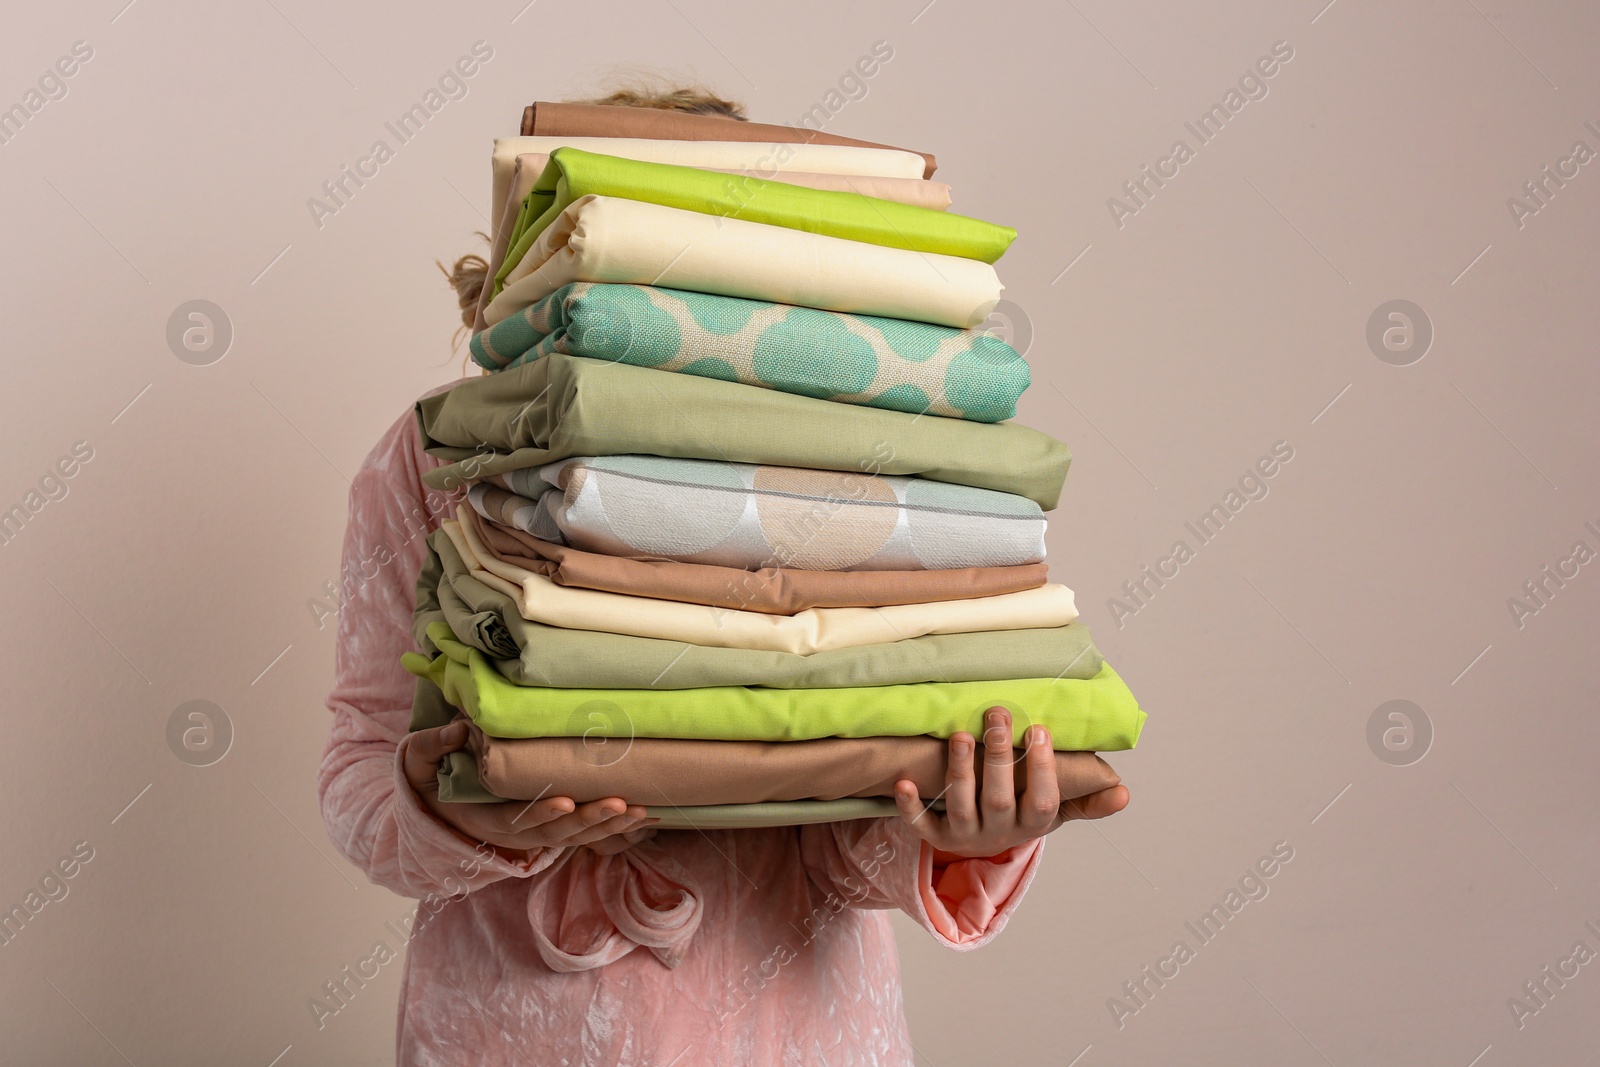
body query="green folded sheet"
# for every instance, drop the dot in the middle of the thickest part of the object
(573, 173)
(1096, 715)
(562, 406)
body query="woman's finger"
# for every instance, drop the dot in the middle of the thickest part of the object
(610, 846)
(1040, 809)
(583, 817)
(960, 802)
(1097, 805)
(426, 748)
(538, 812)
(603, 829)
(923, 819)
(999, 782)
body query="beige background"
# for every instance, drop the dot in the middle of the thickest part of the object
(1228, 314)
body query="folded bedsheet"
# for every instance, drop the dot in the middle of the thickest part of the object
(915, 192)
(573, 173)
(745, 157)
(1097, 715)
(598, 120)
(724, 159)
(531, 653)
(771, 590)
(611, 239)
(850, 359)
(749, 516)
(803, 633)
(459, 781)
(528, 166)
(675, 772)
(742, 157)
(563, 406)
(458, 784)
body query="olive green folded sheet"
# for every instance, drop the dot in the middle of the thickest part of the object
(562, 406)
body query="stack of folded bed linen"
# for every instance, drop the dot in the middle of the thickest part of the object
(745, 535)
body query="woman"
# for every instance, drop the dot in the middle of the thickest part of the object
(555, 933)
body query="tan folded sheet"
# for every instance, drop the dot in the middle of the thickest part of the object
(610, 239)
(654, 771)
(458, 784)
(813, 630)
(772, 590)
(599, 120)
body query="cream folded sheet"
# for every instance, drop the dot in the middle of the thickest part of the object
(803, 633)
(914, 191)
(609, 239)
(528, 166)
(518, 161)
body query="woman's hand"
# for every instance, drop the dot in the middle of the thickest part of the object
(974, 826)
(521, 829)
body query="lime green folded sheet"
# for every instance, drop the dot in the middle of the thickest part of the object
(1097, 715)
(573, 173)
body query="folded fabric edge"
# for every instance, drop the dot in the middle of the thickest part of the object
(1124, 737)
(459, 784)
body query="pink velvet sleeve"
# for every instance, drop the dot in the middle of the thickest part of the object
(882, 863)
(373, 816)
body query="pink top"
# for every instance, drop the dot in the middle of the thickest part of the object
(730, 946)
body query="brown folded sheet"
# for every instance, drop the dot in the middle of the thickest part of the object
(547, 119)
(772, 590)
(654, 771)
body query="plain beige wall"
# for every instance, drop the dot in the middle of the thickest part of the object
(1226, 315)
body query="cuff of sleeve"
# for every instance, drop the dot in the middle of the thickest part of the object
(968, 901)
(454, 863)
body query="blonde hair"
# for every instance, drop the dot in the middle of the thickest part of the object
(694, 99)
(470, 273)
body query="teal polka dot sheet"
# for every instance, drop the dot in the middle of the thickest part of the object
(898, 364)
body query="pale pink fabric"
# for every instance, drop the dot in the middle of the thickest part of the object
(731, 946)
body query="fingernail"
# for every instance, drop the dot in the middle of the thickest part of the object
(1038, 736)
(995, 717)
(961, 746)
